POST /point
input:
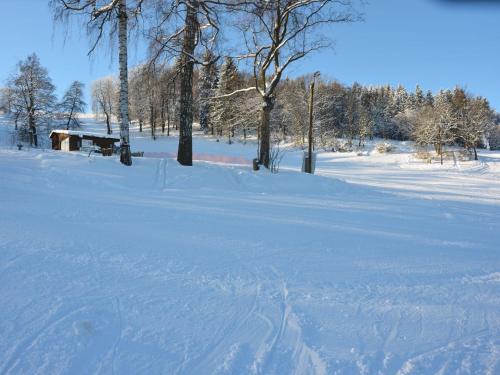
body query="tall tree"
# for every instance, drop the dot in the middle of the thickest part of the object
(173, 39)
(226, 107)
(73, 102)
(278, 33)
(108, 15)
(33, 97)
(207, 83)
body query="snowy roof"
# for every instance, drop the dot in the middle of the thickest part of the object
(82, 134)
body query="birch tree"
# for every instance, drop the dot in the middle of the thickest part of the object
(107, 16)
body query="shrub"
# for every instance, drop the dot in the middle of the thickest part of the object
(384, 148)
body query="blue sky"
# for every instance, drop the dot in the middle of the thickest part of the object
(435, 43)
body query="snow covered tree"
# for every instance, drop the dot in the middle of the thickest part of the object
(33, 98)
(207, 84)
(226, 108)
(419, 97)
(475, 123)
(73, 103)
(436, 125)
(6, 100)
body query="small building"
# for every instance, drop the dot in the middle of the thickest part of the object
(73, 140)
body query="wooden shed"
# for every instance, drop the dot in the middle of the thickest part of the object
(72, 140)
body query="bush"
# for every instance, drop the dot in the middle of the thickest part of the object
(342, 146)
(384, 148)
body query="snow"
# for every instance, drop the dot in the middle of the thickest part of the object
(375, 265)
(82, 133)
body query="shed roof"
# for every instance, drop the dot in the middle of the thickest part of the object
(84, 135)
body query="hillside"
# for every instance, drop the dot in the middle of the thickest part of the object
(378, 264)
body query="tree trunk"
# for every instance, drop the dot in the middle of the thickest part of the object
(152, 122)
(32, 131)
(168, 121)
(162, 119)
(185, 150)
(140, 125)
(265, 131)
(475, 153)
(69, 120)
(125, 156)
(310, 134)
(108, 125)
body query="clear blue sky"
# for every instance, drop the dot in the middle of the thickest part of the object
(436, 43)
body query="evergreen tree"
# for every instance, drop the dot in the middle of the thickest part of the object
(226, 109)
(429, 98)
(207, 85)
(419, 97)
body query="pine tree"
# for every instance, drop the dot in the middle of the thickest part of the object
(226, 109)
(419, 97)
(207, 85)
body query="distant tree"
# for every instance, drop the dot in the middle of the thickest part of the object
(419, 97)
(226, 106)
(73, 103)
(429, 98)
(436, 125)
(104, 95)
(137, 96)
(475, 123)
(207, 83)
(33, 98)
(6, 100)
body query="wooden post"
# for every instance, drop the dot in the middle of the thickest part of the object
(308, 168)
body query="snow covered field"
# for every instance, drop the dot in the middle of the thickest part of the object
(375, 265)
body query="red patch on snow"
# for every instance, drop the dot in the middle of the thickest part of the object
(214, 158)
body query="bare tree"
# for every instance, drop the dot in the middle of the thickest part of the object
(103, 93)
(101, 19)
(137, 96)
(32, 96)
(73, 103)
(278, 33)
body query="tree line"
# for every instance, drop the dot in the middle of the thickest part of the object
(196, 51)
(344, 116)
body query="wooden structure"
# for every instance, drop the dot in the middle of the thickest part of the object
(71, 140)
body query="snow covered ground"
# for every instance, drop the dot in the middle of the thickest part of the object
(375, 265)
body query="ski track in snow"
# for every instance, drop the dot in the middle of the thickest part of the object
(376, 265)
